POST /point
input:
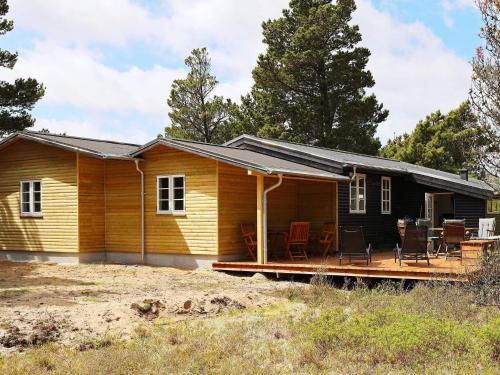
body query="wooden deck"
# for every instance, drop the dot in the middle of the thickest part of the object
(382, 266)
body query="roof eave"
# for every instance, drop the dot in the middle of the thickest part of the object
(235, 162)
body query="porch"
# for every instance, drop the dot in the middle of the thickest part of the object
(381, 266)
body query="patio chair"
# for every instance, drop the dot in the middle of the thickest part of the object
(431, 238)
(353, 245)
(453, 234)
(414, 245)
(486, 229)
(297, 239)
(326, 237)
(249, 234)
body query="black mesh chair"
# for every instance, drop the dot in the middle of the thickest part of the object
(353, 245)
(414, 244)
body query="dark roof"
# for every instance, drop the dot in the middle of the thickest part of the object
(251, 160)
(94, 147)
(341, 159)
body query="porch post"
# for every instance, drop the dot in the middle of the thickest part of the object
(260, 219)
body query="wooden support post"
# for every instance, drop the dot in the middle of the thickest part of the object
(260, 219)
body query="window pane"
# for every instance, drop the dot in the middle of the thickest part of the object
(178, 182)
(25, 186)
(26, 197)
(163, 183)
(37, 196)
(361, 205)
(36, 186)
(179, 194)
(26, 207)
(353, 204)
(179, 205)
(37, 207)
(164, 206)
(164, 194)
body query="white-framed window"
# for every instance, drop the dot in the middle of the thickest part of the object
(171, 195)
(357, 194)
(385, 195)
(31, 198)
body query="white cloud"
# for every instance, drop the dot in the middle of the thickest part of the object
(77, 78)
(414, 71)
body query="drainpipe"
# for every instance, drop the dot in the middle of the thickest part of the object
(353, 173)
(142, 208)
(268, 190)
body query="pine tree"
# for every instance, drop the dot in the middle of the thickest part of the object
(195, 113)
(310, 84)
(16, 99)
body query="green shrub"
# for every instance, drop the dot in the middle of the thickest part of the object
(392, 336)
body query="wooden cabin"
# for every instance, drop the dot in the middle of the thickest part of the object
(180, 203)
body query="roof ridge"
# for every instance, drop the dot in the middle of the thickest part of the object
(32, 132)
(322, 148)
(199, 142)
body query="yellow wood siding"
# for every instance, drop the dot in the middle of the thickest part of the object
(282, 206)
(57, 230)
(317, 202)
(91, 206)
(237, 204)
(196, 231)
(123, 206)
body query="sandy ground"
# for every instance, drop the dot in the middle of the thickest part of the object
(75, 304)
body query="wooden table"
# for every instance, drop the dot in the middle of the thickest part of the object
(473, 249)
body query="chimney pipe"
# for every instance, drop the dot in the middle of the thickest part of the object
(464, 174)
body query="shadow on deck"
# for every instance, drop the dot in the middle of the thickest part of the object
(382, 266)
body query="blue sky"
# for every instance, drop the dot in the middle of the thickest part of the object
(108, 65)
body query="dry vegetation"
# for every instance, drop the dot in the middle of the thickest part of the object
(348, 328)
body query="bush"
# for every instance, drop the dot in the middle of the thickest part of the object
(394, 337)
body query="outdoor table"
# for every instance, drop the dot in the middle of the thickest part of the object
(471, 250)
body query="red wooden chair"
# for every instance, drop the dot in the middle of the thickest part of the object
(249, 234)
(297, 239)
(326, 237)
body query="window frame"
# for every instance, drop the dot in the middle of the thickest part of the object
(357, 177)
(489, 206)
(382, 200)
(171, 195)
(31, 202)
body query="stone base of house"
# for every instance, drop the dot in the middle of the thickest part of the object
(153, 259)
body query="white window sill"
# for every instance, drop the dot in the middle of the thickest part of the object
(32, 215)
(386, 213)
(357, 212)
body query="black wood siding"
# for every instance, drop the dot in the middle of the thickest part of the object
(470, 209)
(408, 200)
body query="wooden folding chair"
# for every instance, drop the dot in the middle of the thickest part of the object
(297, 239)
(327, 237)
(249, 234)
(453, 234)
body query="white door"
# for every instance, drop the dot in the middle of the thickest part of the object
(429, 207)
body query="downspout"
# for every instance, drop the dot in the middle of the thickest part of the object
(268, 190)
(142, 208)
(353, 173)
